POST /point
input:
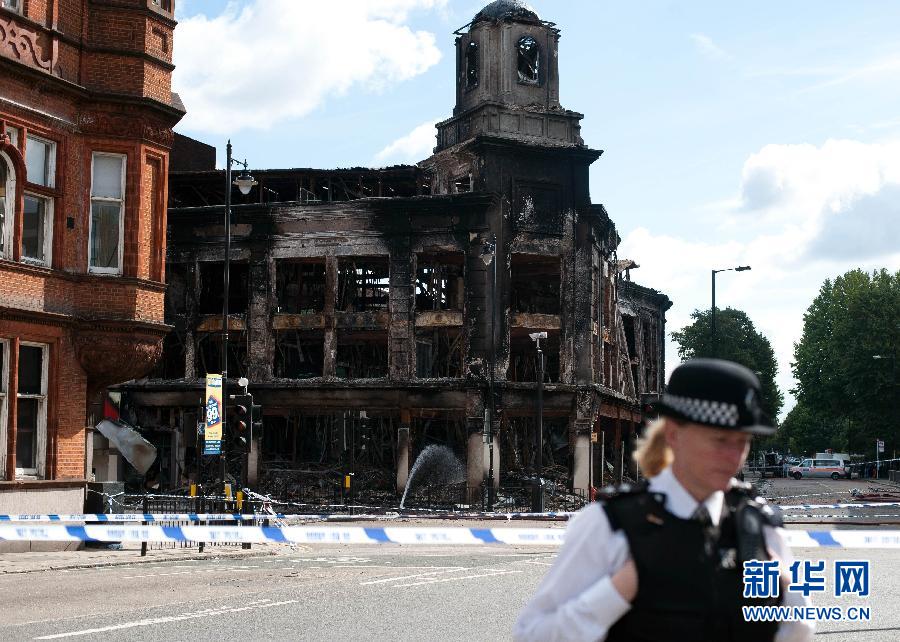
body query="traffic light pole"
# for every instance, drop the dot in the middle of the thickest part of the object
(225, 291)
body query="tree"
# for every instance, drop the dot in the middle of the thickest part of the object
(854, 318)
(737, 340)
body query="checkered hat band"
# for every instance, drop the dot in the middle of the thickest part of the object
(704, 411)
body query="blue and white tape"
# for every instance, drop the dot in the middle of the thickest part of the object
(385, 535)
(139, 517)
(284, 535)
(234, 517)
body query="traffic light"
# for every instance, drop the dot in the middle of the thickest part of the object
(256, 421)
(240, 420)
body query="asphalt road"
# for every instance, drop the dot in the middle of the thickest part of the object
(366, 592)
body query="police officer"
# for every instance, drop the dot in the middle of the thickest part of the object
(663, 559)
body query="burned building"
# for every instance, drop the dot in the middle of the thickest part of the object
(387, 304)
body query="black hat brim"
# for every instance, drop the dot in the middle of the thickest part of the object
(758, 429)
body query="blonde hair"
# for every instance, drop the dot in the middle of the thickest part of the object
(653, 453)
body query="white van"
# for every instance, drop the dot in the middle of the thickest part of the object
(833, 468)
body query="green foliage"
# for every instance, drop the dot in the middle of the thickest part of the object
(839, 382)
(737, 340)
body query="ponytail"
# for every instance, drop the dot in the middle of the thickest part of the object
(653, 453)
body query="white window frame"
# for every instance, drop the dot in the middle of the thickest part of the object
(40, 455)
(4, 403)
(12, 5)
(10, 206)
(51, 160)
(121, 201)
(48, 231)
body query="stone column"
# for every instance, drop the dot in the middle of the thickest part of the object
(253, 462)
(582, 475)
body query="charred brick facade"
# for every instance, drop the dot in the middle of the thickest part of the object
(86, 117)
(365, 297)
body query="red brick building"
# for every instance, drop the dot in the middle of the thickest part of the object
(86, 117)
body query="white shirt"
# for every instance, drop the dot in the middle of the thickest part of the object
(576, 599)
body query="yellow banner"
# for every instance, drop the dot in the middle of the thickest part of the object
(212, 435)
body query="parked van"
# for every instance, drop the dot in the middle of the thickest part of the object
(833, 468)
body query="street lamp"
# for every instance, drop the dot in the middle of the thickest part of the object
(537, 500)
(893, 394)
(742, 268)
(489, 256)
(244, 183)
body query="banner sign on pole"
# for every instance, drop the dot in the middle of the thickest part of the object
(212, 436)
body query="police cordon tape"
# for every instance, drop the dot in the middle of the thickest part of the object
(381, 535)
(234, 517)
(859, 505)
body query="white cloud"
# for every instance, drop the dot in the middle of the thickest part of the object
(804, 213)
(275, 60)
(708, 48)
(415, 146)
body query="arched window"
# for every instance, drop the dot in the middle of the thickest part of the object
(7, 201)
(529, 60)
(472, 64)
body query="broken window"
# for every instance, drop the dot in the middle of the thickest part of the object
(523, 363)
(363, 284)
(362, 355)
(628, 324)
(212, 285)
(529, 56)
(439, 353)
(171, 364)
(439, 282)
(299, 354)
(209, 354)
(472, 64)
(300, 286)
(535, 284)
(462, 184)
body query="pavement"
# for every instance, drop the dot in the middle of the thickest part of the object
(128, 553)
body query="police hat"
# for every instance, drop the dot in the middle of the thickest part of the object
(716, 393)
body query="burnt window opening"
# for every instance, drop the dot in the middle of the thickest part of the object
(471, 65)
(209, 354)
(362, 355)
(212, 283)
(628, 324)
(300, 286)
(439, 353)
(535, 284)
(529, 56)
(363, 284)
(439, 282)
(299, 354)
(523, 357)
(462, 184)
(171, 364)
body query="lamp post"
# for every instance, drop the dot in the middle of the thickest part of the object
(244, 183)
(894, 396)
(741, 268)
(537, 500)
(489, 256)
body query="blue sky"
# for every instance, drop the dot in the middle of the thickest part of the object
(765, 133)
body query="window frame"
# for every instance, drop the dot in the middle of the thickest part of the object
(48, 231)
(472, 55)
(8, 225)
(537, 61)
(50, 167)
(4, 402)
(118, 270)
(18, 8)
(40, 454)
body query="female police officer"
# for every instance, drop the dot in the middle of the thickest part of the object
(663, 559)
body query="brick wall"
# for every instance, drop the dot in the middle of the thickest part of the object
(64, 303)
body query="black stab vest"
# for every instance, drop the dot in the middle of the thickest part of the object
(690, 576)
